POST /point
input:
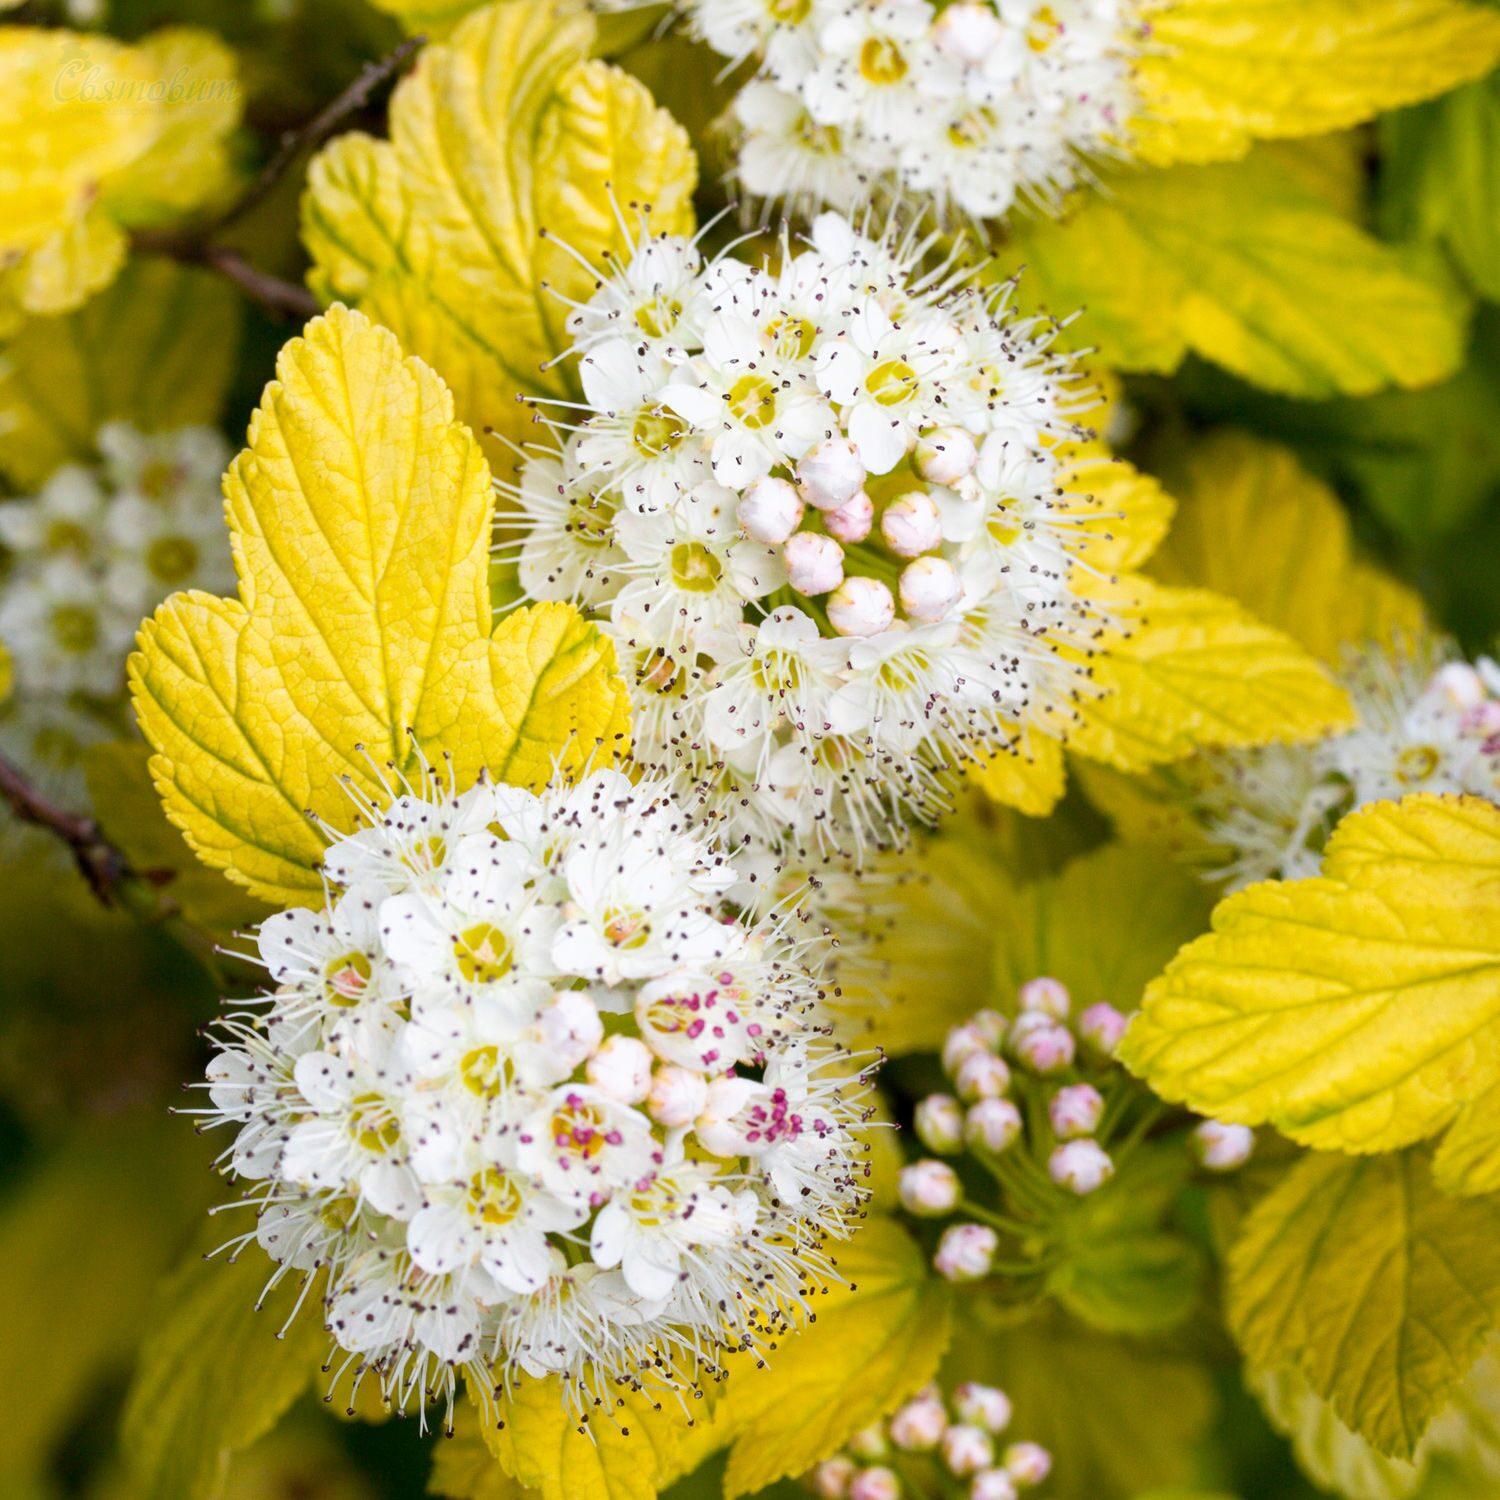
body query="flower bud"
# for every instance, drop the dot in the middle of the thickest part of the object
(967, 33)
(985, 1406)
(945, 456)
(960, 1042)
(568, 1030)
(770, 511)
(814, 563)
(861, 606)
(992, 1025)
(875, 1484)
(1050, 996)
(1083, 1167)
(1458, 685)
(1044, 1049)
(852, 521)
(1101, 1027)
(981, 1075)
(967, 1450)
(830, 473)
(869, 1443)
(993, 1484)
(1221, 1147)
(1075, 1111)
(993, 1125)
(929, 588)
(928, 1188)
(918, 1426)
(677, 1096)
(911, 524)
(1028, 1463)
(939, 1123)
(621, 1068)
(830, 1479)
(966, 1252)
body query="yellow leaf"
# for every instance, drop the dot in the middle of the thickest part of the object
(360, 516)
(100, 138)
(157, 349)
(1193, 669)
(1246, 266)
(463, 1468)
(429, 18)
(1029, 776)
(1219, 73)
(1377, 1286)
(1120, 514)
(7, 673)
(499, 135)
(1253, 524)
(1355, 1011)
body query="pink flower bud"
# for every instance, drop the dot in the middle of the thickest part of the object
(960, 1042)
(1050, 996)
(852, 521)
(814, 563)
(1220, 1147)
(569, 1029)
(993, 1125)
(911, 525)
(992, 1025)
(869, 1444)
(861, 607)
(918, 1426)
(1458, 685)
(1101, 1027)
(939, 1123)
(621, 1068)
(830, 1479)
(770, 511)
(1083, 1167)
(928, 1188)
(981, 1075)
(993, 1484)
(1043, 1048)
(1028, 1463)
(830, 473)
(1075, 1111)
(875, 1484)
(985, 1406)
(929, 589)
(945, 456)
(966, 1450)
(966, 1252)
(677, 1096)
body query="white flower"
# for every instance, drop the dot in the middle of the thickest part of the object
(65, 518)
(64, 634)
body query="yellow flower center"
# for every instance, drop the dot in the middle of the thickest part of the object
(1045, 29)
(66, 536)
(891, 382)
(482, 953)
(626, 929)
(881, 61)
(657, 431)
(792, 338)
(1416, 763)
(658, 317)
(482, 1072)
(788, 12)
(695, 569)
(75, 628)
(346, 978)
(494, 1197)
(752, 398)
(158, 477)
(374, 1125)
(171, 559)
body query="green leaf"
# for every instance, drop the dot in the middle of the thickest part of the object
(215, 1373)
(1378, 1287)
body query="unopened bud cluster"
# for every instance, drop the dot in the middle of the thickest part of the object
(936, 1445)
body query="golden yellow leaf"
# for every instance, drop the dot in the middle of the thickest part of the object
(1030, 776)
(360, 516)
(1120, 514)
(505, 148)
(1355, 1011)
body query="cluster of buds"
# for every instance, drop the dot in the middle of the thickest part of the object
(1037, 1099)
(936, 1446)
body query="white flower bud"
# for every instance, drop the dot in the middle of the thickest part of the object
(966, 1252)
(918, 1426)
(960, 1042)
(621, 1068)
(852, 521)
(967, 1450)
(968, 34)
(1221, 1147)
(993, 1484)
(930, 589)
(677, 1096)
(568, 1030)
(985, 1406)
(830, 473)
(1028, 1463)
(875, 1484)
(947, 455)
(830, 1479)
(1044, 1047)
(1082, 1167)
(981, 1075)
(869, 1443)
(939, 1123)
(1101, 1027)
(928, 1188)
(861, 606)
(1075, 1111)
(993, 1125)
(1458, 685)
(770, 511)
(992, 1025)
(1050, 996)
(911, 524)
(814, 563)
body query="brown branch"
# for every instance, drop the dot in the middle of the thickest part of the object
(99, 862)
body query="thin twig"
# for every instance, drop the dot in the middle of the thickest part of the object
(280, 298)
(99, 862)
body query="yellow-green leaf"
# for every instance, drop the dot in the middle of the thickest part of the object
(1246, 266)
(215, 1373)
(1358, 1010)
(156, 349)
(429, 18)
(505, 148)
(1219, 73)
(1378, 1287)
(1192, 670)
(464, 1468)
(360, 515)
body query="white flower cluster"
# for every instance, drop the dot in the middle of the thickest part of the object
(537, 1099)
(959, 1435)
(98, 549)
(970, 105)
(1425, 725)
(817, 506)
